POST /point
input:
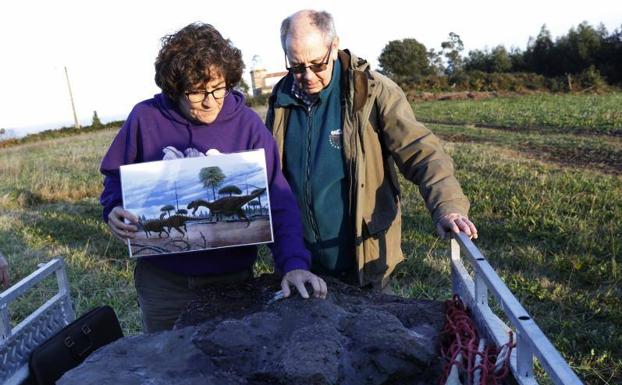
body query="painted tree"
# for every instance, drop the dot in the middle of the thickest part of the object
(168, 209)
(230, 189)
(211, 177)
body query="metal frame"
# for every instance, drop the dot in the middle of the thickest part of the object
(16, 343)
(530, 340)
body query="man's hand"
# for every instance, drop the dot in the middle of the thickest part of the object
(121, 230)
(4, 272)
(298, 278)
(455, 223)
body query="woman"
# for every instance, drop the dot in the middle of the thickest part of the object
(198, 110)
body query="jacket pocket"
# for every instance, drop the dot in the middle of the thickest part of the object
(383, 211)
(381, 250)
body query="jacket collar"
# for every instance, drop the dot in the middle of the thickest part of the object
(350, 64)
(286, 97)
(360, 77)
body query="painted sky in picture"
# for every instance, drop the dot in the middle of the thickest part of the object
(147, 187)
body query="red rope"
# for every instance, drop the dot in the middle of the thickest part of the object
(459, 337)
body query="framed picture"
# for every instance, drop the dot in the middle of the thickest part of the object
(201, 203)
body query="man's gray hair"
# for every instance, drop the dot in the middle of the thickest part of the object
(322, 20)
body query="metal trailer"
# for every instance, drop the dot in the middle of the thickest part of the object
(17, 343)
(530, 340)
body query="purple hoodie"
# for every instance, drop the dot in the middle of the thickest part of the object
(157, 123)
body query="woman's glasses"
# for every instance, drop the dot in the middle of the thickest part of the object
(198, 96)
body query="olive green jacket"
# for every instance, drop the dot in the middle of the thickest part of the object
(379, 132)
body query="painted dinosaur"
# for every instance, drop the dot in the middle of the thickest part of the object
(227, 205)
(165, 225)
(153, 225)
(177, 222)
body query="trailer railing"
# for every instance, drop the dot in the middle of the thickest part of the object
(16, 343)
(530, 340)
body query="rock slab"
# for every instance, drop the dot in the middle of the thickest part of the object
(235, 335)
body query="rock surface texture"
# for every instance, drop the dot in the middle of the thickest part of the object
(236, 335)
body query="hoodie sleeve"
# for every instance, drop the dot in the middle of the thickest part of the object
(288, 248)
(123, 150)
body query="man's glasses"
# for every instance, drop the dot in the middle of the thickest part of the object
(198, 96)
(316, 67)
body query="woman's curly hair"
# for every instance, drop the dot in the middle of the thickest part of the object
(187, 56)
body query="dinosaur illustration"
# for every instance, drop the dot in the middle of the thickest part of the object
(177, 222)
(165, 225)
(227, 205)
(153, 225)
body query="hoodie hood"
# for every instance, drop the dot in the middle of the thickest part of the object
(170, 109)
(231, 109)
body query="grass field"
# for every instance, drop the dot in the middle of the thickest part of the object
(591, 114)
(547, 202)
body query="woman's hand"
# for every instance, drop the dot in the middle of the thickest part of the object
(298, 278)
(119, 228)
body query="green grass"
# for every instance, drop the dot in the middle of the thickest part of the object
(548, 208)
(552, 234)
(599, 152)
(49, 207)
(594, 114)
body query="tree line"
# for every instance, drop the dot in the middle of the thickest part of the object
(585, 57)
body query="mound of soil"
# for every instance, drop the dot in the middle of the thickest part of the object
(236, 335)
(415, 95)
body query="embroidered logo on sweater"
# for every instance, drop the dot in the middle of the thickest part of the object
(335, 138)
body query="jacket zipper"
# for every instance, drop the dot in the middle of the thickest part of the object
(307, 189)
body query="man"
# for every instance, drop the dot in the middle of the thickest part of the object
(341, 129)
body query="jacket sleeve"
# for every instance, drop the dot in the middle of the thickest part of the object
(288, 248)
(418, 153)
(123, 150)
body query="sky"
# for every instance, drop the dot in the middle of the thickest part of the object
(109, 47)
(149, 186)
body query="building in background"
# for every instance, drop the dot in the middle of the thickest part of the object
(263, 81)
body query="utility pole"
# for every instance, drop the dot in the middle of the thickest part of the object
(73, 107)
